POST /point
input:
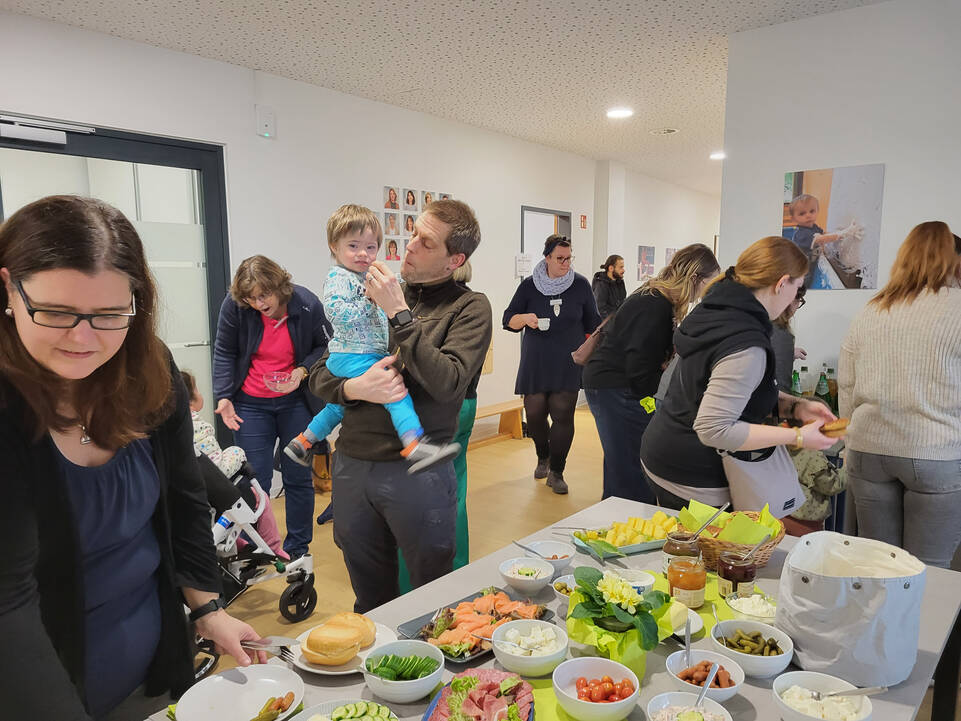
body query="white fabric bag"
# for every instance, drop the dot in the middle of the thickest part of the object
(772, 481)
(852, 606)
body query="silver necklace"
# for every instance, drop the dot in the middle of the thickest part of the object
(84, 438)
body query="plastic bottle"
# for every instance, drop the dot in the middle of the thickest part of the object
(822, 390)
(796, 383)
(806, 389)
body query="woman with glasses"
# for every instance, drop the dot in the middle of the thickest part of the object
(269, 334)
(104, 521)
(555, 308)
(782, 341)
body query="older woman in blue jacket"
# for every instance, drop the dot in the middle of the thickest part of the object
(270, 326)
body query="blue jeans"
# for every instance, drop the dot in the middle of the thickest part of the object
(621, 422)
(267, 420)
(351, 365)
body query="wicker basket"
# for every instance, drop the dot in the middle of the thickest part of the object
(711, 548)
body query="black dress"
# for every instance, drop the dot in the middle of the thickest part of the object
(546, 365)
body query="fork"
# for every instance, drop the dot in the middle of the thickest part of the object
(282, 652)
(870, 691)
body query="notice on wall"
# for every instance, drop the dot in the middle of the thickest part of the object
(523, 265)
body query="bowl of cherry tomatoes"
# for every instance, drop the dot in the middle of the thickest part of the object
(589, 688)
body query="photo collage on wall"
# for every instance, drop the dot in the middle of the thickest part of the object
(401, 208)
(645, 262)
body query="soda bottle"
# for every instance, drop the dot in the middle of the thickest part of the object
(796, 383)
(822, 390)
(833, 389)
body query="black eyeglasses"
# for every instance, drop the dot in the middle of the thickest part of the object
(65, 319)
(800, 302)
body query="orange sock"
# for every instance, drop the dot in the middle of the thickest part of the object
(410, 449)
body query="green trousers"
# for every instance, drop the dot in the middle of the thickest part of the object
(465, 424)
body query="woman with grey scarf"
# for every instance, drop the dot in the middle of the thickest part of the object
(556, 310)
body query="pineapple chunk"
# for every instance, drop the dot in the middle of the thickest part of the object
(658, 518)
(635, 522)
(659, 533)
(648, 528)
(671, 524)
(610, 536)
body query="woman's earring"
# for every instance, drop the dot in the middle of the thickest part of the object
(9, 311)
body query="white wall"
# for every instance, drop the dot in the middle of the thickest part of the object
(876, 84)
(645, 211)
(330, 149)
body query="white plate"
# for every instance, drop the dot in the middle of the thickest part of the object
(239, 693)
(697, 623)
(327, 708)
(355, 665)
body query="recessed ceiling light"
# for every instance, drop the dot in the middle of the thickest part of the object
(620, 113)
(718, 155)
(664, 131)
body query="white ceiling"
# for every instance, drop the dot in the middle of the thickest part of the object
(541, 70)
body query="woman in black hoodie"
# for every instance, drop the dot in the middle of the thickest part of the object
(724, 386)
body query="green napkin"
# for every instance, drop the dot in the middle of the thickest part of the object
(742, 529)
(623, 647)
(696, 515)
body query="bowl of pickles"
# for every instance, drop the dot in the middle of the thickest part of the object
(761, 650)
(564, 586)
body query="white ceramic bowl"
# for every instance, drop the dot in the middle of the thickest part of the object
(510, 657)
(564, 682)
(676, 663)
(747, 616)
(527, 585)
(754, 666)
(682, 698)
(554, 548)
(641, 581)
(569, 580)
(815, 682)
(405, 691)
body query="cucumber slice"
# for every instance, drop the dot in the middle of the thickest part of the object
(339, 713)
(350, 710)
(360, 709)
(366, 717)
(383, 712)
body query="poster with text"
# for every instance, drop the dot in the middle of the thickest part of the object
(645, 261)
(834, 216)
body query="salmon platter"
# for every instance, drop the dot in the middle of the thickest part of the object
(462, 630)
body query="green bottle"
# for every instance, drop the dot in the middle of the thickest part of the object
(796, 383)
(823, 391)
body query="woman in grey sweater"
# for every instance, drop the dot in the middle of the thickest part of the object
(900, 383)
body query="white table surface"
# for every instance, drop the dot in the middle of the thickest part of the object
(940, 606)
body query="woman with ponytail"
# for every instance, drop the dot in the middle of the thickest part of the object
(724, 385)
(626, 368)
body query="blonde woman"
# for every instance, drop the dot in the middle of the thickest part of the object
(900, 383)
(629, 360)
(723, 387)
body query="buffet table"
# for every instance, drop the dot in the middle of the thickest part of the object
(939, 613)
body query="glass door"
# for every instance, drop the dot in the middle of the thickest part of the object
(172, 192)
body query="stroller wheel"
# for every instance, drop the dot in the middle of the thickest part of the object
(298, 601)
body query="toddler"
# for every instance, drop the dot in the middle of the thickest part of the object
(810, 237)
(820, 480)
(360, 338)
(229, 460)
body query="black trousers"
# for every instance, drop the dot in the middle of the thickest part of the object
(551, 441)
(379, 509)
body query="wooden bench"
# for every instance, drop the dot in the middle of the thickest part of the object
(511, 421)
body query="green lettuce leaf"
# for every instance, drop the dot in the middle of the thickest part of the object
(456, 649)
(509, 683)
(513, 713)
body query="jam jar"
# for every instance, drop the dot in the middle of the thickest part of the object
(680, 544)
(687, 577)
(734, 574)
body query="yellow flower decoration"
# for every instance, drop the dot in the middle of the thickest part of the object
(618, 591)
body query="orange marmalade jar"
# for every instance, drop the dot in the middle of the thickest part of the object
(687, 578)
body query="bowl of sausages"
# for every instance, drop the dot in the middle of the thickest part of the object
(691, 677)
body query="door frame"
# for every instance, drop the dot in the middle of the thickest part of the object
(546, 211)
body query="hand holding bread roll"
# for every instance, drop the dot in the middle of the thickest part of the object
(836, 429)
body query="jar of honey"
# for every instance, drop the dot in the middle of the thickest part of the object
(687, 578)
(680, 544)
(734, 574)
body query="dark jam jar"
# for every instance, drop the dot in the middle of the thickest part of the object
(680, 544)
(734, 574)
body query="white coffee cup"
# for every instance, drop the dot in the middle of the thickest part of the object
(543, 323)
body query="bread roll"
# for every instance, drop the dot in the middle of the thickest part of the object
(835, 429)
(332, 644)
(358, 621)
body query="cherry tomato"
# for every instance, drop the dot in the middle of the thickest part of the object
(581, 683)
(613, 698)
(594, 682)
(584, 695)
(625, 688)
(607, 679)
(597, 694)
(607, 688)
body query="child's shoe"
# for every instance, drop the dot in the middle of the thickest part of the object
(423, 454)
(298, 450)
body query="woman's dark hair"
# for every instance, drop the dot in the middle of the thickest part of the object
(411, 197)
(129, 394)
(611, 262)
(555, 240)
(190, 382)
(391, 244)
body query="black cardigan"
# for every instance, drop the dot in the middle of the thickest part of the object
(41, 582)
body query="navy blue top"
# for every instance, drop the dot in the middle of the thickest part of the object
(546, 364)
(240, 330)
(112, 507)
(804, 238)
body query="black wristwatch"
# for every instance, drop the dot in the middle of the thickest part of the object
(404, 317)
(208, 607)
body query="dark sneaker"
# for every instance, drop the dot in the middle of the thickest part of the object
(298, 450)
(557, 483)
(540, 473)
(426, 454)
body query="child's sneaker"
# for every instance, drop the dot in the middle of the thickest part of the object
(424, 454)
(298, 450)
